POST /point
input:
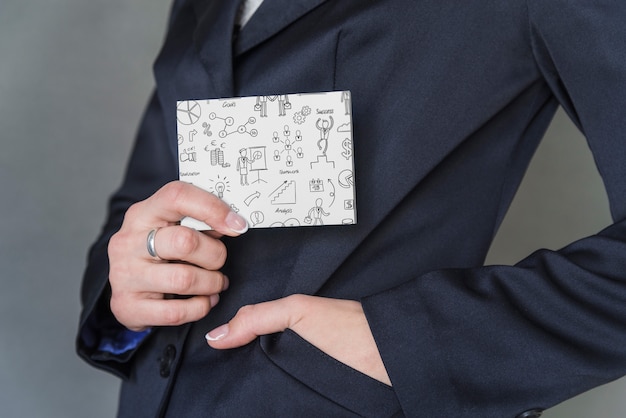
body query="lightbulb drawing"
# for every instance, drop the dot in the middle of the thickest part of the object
(219, 187)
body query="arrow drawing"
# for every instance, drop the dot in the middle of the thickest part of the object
(248, 200)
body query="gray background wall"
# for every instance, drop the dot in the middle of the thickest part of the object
(74, 78)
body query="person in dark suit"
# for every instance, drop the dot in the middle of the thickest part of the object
(396, 315)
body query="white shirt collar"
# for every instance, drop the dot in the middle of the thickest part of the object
(246, 10)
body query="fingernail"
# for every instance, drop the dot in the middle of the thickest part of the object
(236, 223)
(214, 300)
(218, 333)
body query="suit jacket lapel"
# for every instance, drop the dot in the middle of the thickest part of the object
(271, 17)
(213, 40)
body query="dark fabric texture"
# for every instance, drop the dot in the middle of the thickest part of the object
(450, 100)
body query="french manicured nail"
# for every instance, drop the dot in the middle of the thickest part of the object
(236, 223)
(218, 333)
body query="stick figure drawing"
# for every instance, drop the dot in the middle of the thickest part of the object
(324, 126)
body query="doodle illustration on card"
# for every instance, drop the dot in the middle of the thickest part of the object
(278, 160)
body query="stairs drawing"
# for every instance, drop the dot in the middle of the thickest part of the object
(285, 194)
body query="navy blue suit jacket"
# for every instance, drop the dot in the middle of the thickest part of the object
(450, 99)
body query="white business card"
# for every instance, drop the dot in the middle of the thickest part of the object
(279, 161)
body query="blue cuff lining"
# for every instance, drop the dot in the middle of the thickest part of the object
(122, 341)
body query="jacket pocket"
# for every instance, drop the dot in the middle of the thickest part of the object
(329, 377)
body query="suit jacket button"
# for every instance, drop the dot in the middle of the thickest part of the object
(533, 413)
(166, 360)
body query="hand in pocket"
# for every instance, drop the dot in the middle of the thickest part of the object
(335, 326)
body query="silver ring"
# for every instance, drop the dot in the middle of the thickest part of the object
(150, 242)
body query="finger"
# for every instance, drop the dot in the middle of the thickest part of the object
(178, 199)
(145, 313)
(186, 244)
(252, 321)
(213, 234)
(179, 279)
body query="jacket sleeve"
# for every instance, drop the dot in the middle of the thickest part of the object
(101, 340)
(151, 166)
(499, 340)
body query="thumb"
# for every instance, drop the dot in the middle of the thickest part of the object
(252, 321)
